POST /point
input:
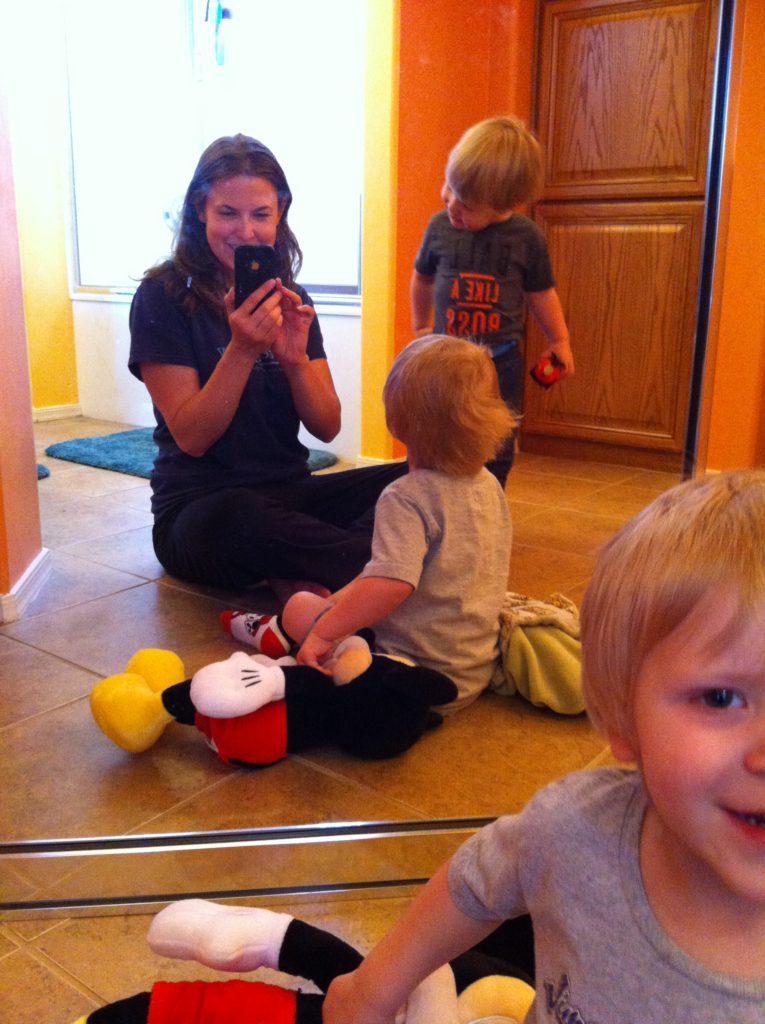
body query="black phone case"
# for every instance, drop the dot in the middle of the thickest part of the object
(253, 264)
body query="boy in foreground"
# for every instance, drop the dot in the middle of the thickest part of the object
(646, 887)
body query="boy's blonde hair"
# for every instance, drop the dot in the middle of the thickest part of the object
(442, 400)
(497, 163)
(700, 537)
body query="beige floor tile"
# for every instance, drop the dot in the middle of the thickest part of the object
(138, 498)
(64, 778)
(6, 946)
(259, 598)
(564, 469)
(575, 592)
(130, 551)
(75, 581)
(104, 636)
(548, 491)
(292, 793)
(485, 760)
(32, 681)
(14, 885)
(65, 429)
(78, 481)
(34, 990)
(26, 930)
(541, 571)
(521, 510)
(576, 532)
(76, 519)
(621, 500)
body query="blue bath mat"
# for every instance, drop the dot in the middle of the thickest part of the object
(133, 451)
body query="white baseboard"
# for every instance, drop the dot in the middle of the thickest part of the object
(13, 605)
(55, 412)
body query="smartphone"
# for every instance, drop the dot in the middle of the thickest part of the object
(253, 265)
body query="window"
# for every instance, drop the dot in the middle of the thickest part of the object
(152, 82)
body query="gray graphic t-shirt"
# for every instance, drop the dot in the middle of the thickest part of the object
(481, 276)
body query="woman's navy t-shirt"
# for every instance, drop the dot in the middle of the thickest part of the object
(261, 444)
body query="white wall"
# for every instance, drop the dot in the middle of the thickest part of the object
(109, 391)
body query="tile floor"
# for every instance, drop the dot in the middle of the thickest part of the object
(106, 597)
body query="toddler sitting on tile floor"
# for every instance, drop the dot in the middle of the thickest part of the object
(433, 588)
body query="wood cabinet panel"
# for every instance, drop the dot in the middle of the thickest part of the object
(627, 275)
(624, 96)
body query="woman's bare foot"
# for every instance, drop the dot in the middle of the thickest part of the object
(284, 589)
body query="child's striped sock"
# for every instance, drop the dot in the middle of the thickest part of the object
(263, 632)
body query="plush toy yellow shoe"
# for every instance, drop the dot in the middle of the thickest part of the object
(495, 998)
(159, 668)
(128, 707)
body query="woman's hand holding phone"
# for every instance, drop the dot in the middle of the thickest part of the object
(292, 342)
(257, 321)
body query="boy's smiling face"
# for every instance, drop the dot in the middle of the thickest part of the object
(699, 739)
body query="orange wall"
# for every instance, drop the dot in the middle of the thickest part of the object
(459, 63)
(737, 412)
(20, 541)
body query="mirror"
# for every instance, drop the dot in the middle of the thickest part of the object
(65, 781)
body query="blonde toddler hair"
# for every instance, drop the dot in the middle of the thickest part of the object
(442, 400)
(496, 163)
(700, 536)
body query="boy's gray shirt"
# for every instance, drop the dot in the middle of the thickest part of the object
(482, 277)
(449, 537)
(571, 860)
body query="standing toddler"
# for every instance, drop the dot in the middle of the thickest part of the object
(481, 264)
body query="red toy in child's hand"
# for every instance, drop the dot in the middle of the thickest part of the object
(547, 371)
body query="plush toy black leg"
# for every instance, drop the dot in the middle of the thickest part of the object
(308, 1008)
(509, 950)
(177, 702)
(386, 710)
(316, 954)
(133, 1010)
(308, 694)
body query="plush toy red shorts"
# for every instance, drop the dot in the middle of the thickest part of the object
(257, 738)
(220, 1002)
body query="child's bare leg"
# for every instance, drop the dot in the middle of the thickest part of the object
(301, 611)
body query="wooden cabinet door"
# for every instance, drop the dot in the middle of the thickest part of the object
(624, 98)
(627, 276)
(625, 95)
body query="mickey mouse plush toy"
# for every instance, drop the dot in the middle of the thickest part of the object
(254, 710)
(242, 939)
